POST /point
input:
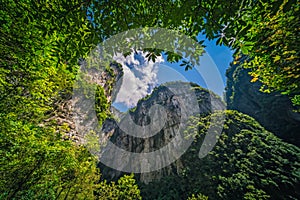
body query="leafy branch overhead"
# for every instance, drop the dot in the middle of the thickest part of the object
(266, 31)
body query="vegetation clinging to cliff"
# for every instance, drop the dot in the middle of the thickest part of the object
(247, 163)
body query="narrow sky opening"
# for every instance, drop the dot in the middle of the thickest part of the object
(142, 76)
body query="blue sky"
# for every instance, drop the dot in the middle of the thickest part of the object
(141, 76)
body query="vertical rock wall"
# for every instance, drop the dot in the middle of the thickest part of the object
(273, 111)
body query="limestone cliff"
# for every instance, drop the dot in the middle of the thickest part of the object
(175, 100)
(273, 111)
(67, 117)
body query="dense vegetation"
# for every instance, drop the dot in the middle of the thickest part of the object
(247, 163)
(40, 45)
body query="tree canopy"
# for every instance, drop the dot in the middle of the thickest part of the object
(41, 43)
(266, 31)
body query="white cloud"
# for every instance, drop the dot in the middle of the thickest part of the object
(140, 77)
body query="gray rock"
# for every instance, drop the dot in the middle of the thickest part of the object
(174, 107)
(273, 111)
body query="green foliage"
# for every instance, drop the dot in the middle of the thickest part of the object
(266, 31)
(198, 197)
(126, 189)
(37, 164)
(101, 105)
(296, 101)
(40, 44)
(247, 163)
(92, 142)
(274, 51)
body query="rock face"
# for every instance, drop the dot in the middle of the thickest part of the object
(273, 111)
(247, 162)
(69, 116)
(175, 105)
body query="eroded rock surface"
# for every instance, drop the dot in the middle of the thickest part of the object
(177, 102)
(273, 111)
